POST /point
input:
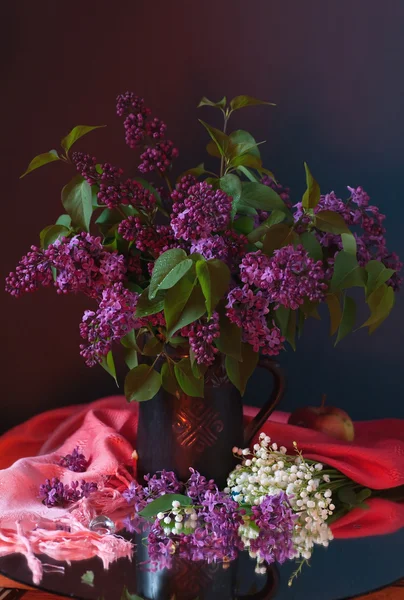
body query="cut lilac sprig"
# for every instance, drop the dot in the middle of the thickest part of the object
(54, 493)
(76, 461)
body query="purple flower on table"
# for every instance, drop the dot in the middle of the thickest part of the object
(76, 461)
(54, 493)
(197, 485)
(200, 212)
(162, 482)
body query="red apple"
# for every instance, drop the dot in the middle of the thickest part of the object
(330, 420)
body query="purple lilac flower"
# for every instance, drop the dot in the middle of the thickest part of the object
(158, 158)
(181, 189)
(112, 194)
(134, 110)
(113, 319)
(76, 461)
(201, 335)
(228, 247)
(54, 493)
(33, 271)
(136, 496)
(156, 129)
(152, 239)
(197, 485)
(85, 165)
(276, 520)
(287, 278)
(202, 212)
(249, 312)
(162, 482)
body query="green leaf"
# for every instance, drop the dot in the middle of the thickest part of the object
(40, 161)
(108, 364)
(331, 222)
(363, 495)
(190, 385)
(129, 341)
(229, 341)
(231, 185)
(176, 274)
(206, 102)
(240, 372)
(192, 310)
(52, 233)
(312, 245)
(244, 225)
(380, 302)
(168, 379)
(278, 236)
(242, 101)
(214, 278)
(346, 495)
(163, 267)
(282, 315)
(311, 196)
(127, 596)
(221, 139)
(142, 383)
(377, 275)
(64, 220)
(88, 578)
(77, 133)
(262, 197)
(349, 243)
(347, 272)
(213, 150)
(146, 306)
(334, 307)
(248, 174)
(76, 199)
(195, 171)
(152, 347)
(131, 358)
(245, 139)
(276, 217)
(348, 319)
(175, 302)
(164, 504)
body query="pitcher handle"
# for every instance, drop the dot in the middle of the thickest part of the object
(278, 391)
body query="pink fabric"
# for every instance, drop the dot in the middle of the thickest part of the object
(106, 432)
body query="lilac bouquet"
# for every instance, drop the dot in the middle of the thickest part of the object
(220, 263)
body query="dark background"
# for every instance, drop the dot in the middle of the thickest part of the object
(334, 70)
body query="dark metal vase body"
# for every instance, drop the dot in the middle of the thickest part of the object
(176, 432)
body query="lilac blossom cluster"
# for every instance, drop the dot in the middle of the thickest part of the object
(54, 493)
(201, 335)
(228, 247)
(81, 264)
(75, 461)
(159, 153)
(288, 278)
(249, 310)
(200, 212)
(153, 240)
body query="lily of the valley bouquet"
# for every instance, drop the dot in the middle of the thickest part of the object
(219, 262)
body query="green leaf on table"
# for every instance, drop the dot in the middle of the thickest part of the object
(240, 372)
(312, 245)
(282, 315)
(190, 385)
(169, 268)
(168, 379)
(244, 139)
(77, 202)
(334, 307)
(311, 196)
(50, 234)
(242, 101)
(377, 275)
(76, 133)
(347, 272)
(146, 306)
(220, 139)
(380, 302)
(176, 302)
(206, 102)
(142, 383)
(64, 220)
(108, 364)
(229, 341)
(244, 225)
(330, 222)
(164, 504)
(262, 197)
(131, 358)
(349, 243)
(40, 161)
(278, 236)
(276, 217)
(214, 278)
(348, 319)
(88, 578)
(231, 185)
